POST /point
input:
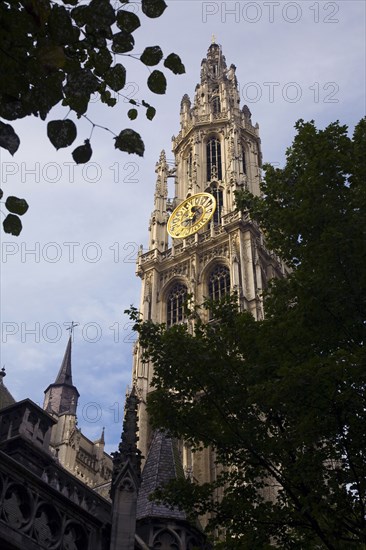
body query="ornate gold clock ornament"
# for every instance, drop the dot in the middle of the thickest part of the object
(191, 215)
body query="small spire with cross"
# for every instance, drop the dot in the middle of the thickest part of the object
(71, 327)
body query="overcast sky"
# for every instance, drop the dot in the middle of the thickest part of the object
(85, 223)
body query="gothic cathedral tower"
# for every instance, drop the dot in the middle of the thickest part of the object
(217, 151)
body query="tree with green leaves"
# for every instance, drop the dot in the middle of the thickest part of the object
(282, 400)
(62, 52)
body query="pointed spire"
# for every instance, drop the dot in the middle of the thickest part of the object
(128, 455)
(62, 396)
(126, 479)
(159, 217)
(128, 445)
(162, 157)
(65, 374)
(161, 186)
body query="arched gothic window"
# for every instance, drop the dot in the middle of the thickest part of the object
(217, 193)
(190, 163)
(213, 152)
(219, 282)
(175, 304)
(188, 157)
(216, 105)
(244, 160)
(166, 540)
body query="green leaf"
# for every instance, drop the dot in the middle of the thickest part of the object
(122, 42)
(115, 77)
(157, 82)
(151, 55)
(12, 225)
(101, 61)
(153, 8)
(133, 102)
(78, 88)
(60, 26)
(127, 21)
(150, 112)
(8, 138)
(1, 194)
(80, 15)
(51, 57)
(16, 206)
(130, 142)
(83, 153)
(132, 114)
(174, 63)
(107, 98)
(101, 14)
(61, 133)
(47, 94)
(81, 83)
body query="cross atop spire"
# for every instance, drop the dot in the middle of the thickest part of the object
(71, 327)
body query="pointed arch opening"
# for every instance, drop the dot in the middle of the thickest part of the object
(244, 160)
(166, 540)
(219, 282)
(213, 157)
(175, 304)
(216, 105)
(188, 160)
(215, 190)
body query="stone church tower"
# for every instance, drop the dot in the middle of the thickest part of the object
(82, 457)
(217, 151)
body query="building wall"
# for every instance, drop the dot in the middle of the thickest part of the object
(82, 457)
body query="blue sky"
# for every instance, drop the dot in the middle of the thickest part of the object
(75, 258)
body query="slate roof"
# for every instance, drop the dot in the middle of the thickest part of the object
(162, 464)
(65, 374)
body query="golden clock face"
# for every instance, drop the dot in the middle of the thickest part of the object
(191, 215)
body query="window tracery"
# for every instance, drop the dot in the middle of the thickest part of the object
(215, 190)
(244, 162)
(175, 304)
(213, 154)
(216, 105)
(219, 282)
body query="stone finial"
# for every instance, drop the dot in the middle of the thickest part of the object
(162, 157)
(127, 449)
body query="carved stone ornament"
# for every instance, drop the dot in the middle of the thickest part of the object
(216, 252)
(148, 287)
(235, 246)
(181, 270)
(127, 485)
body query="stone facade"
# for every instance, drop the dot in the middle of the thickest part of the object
(60, 491)
(42, 505)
